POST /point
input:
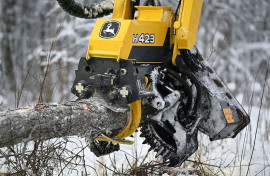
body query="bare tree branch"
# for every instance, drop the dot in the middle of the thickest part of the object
(84, 118)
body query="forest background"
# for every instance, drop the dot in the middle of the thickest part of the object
(41, 45)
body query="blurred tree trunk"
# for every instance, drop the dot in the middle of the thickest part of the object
(7, 42)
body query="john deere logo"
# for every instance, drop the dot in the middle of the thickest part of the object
(110, 29)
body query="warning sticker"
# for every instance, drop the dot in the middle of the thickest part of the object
(228, 115)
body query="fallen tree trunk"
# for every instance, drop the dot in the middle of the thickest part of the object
(83, 118)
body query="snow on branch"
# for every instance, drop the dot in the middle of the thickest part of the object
(86, 118)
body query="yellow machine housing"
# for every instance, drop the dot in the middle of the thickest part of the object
(148, 38)
(145, 39)
(157, 22)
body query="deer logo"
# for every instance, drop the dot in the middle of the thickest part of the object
(109, 29)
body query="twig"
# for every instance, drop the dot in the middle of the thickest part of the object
(259, 115)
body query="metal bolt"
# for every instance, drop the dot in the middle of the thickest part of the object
(79, 87)
(123, 71)
(124, 92)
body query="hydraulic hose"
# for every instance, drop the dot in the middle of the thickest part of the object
(152, 3)
(194, 81)
(87, 11)
(186, 88)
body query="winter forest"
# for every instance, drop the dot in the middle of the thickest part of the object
(39, 52)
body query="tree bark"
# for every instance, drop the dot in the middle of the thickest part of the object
(87, 118)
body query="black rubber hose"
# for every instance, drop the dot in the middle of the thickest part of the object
(152, 3)
(87, 11)
(194, 81)
(177, 9)
(185, 87)
(199, 91)
(148, 2)
(189, 60)
(133, 9)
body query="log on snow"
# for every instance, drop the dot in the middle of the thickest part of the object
(83, 118)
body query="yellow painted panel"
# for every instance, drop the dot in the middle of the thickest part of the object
(147, 13)
(122, 9)
(189, 22)
(101, 47)
(187, 26)
(134, 120)
(120, 46)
